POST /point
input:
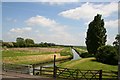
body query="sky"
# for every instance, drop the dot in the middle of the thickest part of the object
(56, 22)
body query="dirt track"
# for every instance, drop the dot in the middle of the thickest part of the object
(19, 76)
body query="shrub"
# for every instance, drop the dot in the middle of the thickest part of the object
(86, 55)
(107, 54)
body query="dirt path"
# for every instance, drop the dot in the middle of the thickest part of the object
(18, 76)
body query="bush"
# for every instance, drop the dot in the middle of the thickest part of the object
(107, 54)
(86, 55)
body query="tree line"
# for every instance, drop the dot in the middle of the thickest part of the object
(21, 42)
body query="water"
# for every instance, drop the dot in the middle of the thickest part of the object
(75, 55)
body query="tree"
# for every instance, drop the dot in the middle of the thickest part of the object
(107, 54)
(96, 34)
(20, 42)
(7, 44)
(29, 42)
(116, 44)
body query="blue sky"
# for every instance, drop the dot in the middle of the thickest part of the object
(56, 22)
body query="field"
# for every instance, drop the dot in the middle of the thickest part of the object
(43, 55)
(33, 55)
(81, 50)
(88, 64)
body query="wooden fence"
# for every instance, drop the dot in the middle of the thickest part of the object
(64, 73)
(16, 68)
(74, 74)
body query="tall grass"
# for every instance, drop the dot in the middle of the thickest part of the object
(27, 56)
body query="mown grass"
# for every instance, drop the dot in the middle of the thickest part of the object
(88, 64)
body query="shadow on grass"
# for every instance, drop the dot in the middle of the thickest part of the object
(103, 63)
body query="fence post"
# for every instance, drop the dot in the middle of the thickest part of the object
(119, 68)
(33, 69)
(54, 72)
(77, 74)
(100, 75)
(40, 70)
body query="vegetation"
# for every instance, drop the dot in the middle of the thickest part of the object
(21, 42)
(66, 52)
(107, 55)
(86, 55)
(32, 55)
(116, 43)
(80, 50)
(96, 34)
(88, 64)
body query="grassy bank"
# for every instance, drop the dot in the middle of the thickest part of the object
(34, 55)
(88, 64)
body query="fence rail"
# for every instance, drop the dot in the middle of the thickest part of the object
(75, 73)
(16, 68)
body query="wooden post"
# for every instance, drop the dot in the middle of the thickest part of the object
(100, 75)
(40, 70)
(54, 72)
(33, 70)
(119, 69)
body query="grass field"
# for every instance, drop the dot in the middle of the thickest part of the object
(88, 64)
(33, 55)
(81, 50)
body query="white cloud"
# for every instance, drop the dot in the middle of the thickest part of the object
(88, 10)
(58, 32)
(40, 20)
(21, 30)
(111, 24)
(46, 22)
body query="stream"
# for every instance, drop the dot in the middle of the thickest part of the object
(75, 57)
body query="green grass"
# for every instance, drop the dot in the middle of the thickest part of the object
(88, 64)
(81, 50)
(66, 52)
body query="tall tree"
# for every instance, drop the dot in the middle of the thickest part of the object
(20, 42)
(96, 34)
(116, 44)
(29, 42)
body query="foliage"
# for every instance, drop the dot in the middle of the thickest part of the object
(29, 42)
(86, 55)
(96, 34)
(20, 42)
(7, 44)
(116, 43)
(107, 54)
